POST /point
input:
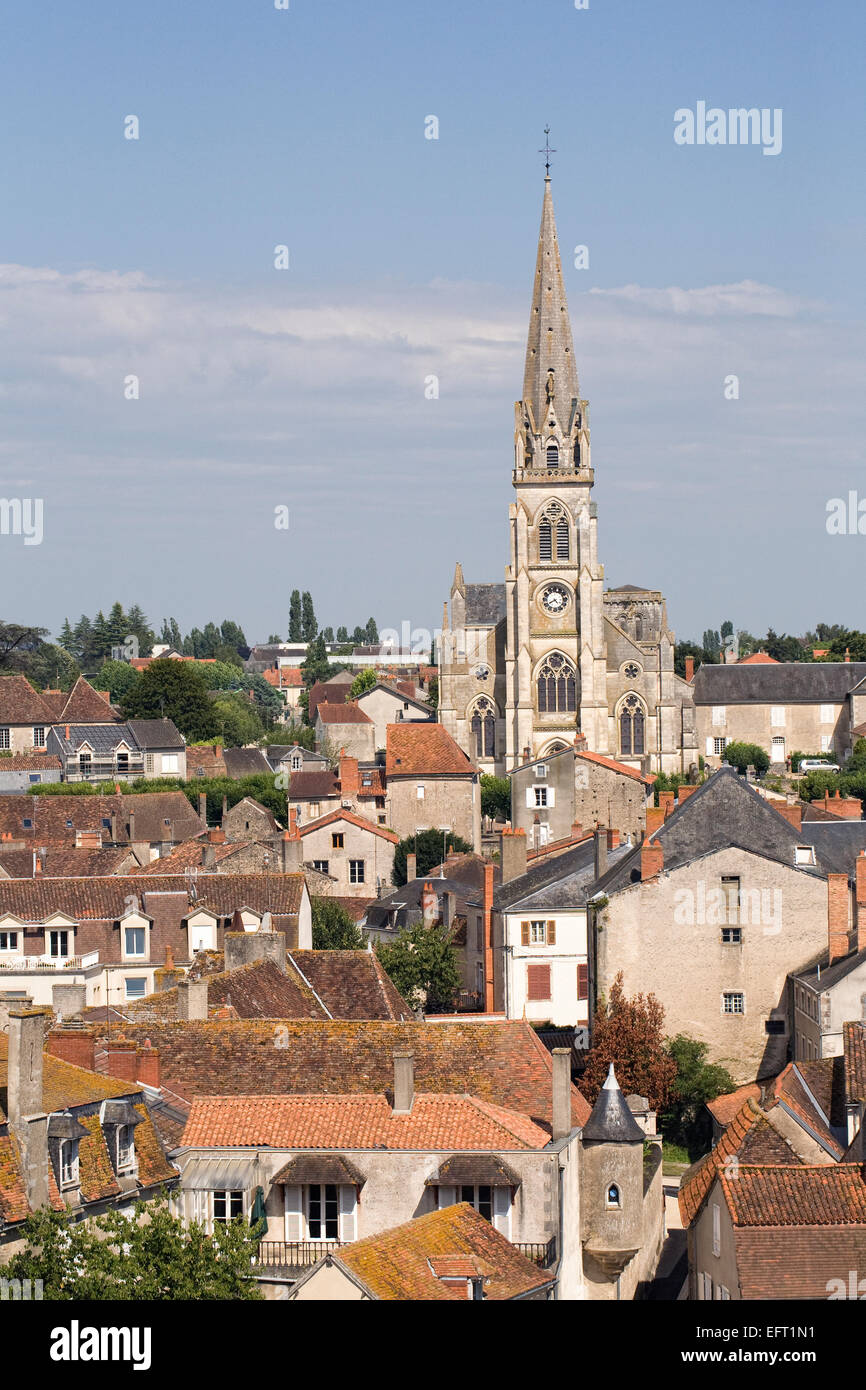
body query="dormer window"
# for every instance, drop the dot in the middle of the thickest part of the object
(64, 1136)
(119, 1119)
(69, 1163)
(125, 1146)
(804, 854)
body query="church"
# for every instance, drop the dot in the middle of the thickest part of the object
(549, 659)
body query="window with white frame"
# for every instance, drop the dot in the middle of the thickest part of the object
(320, 1212)
(540, 796)
(804, 854)
(733, 1002)
(493, 1203)
(125, 1147)
(777, 716)
(58, 942)
(69, 1163)
(170, 762)
(826, 743)
(134, 941)
(719, 745)
(321, 865)
(228, 1205)
(419, 791)
(297, 762)
(538, 933)
(38, 736)
(8, 941)
(717, 1229)
(135, 986)
(356, 871)
(5, 738)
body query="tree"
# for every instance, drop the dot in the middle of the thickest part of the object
(359, 636)
(342, 636)
(17, 643)
(784, 648)
(327, 634)
(149, 1254)
(333, 928)
(371, 632)
(696, 1081)
(712, 644)
(422, 965)
(684, 649)
(433, 692)
(237, 720)
(309, 626)
(428, 847)
(118, 678)
(315, 666)
(628, 1033)
(496, 797)
(365, 680)
(295, 629)
(175, 690)
(740, 755)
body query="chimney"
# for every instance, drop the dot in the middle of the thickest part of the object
(652, 859)
(690, 668)
(120, 1060)
(131, 827)
(218, 751)
(793, 813)
(489, 1002)
(685, 792)
(600, 850)
(114, 827)
(225, 809)
(202, 807)
(73, 1042)
(655, 818)
(192, 1001)
(148, 1065)
(349, 778)
(411, 868)
(216, 836)
(666, 802)
(613, 839)
(837, 916)
(561, 1093)
(512, 854)
(429, 904)
(449, 907)
(208, 859)
(404, 1082)
(849, 808)
(67, 1000)
(24, 1101)
(860, 873)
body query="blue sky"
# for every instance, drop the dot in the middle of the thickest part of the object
(409, 256)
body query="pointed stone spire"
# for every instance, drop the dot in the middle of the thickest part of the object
(611, 1121)
(458, 584)
(550, 375)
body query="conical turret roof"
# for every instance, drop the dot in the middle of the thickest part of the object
(611, 1121)
(549, 346)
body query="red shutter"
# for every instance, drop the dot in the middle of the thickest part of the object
(583, 982)
(524, 933)
(551, 933)
(537, 983)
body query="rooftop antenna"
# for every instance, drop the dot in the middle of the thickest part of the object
(547, 151)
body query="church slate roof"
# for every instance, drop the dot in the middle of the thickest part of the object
(724, 811)
(788, 682)
(611, 1121)
(485, 603)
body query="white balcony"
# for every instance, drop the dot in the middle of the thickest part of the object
(40, 964)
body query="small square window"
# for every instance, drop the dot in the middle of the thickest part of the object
(732, 936)
(733, 1002)
(337, 841)
(804, 854)
(321, 865)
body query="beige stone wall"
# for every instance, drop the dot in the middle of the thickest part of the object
(802, 729)
(721, 1268)
(447, 801)
(684, 963)
(359, 740)
(376, 851)
(384, 708)
(328, 1284)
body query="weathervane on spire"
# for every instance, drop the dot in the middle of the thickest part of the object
(547, 151)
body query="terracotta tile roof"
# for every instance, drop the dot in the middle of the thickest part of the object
(832, 1194)
(791, 1091)
(20, 703)
(84, 705)
(259, 990)
(377, 784)
(65, 1086)
(106, 898)
(13, 1197)
(326, 692)
(284, 677)
(68, 863)
(402, 1264)
(49, 816)
(204, 762)
(94, 1165)
(424, 750)
(314, 785)
(614, 766)
(758, 659)
(855, 1060)
(340, 815)
(341, 714)
(356, 907)
(189, 855)
(501, 1061)
(351, 984)
(802, 1262)
(725, 1108)
(357, 1122)
(30, 762)
(749, 1137)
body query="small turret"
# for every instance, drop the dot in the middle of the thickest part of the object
(611, 1199)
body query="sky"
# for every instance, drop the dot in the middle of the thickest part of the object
(166, 389)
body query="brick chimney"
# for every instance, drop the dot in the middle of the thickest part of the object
(652, 859)
(685, 792)
(849, 808)
(74, 1042)
(666, 802)
(216, 836)
(655, 817)
(793, 813)
(613, 839)
(837, 916)
(411, 868)
(291, 845)
(404, 1083)
(120, 1059)
(512, 854)
(148, 1065)
(349, 777)
(192, 1001)
(561, 1093)
(27, 1118)
(690, 668)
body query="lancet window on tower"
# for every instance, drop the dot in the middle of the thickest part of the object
(556, 685)
(577, 455)
(632, 725)
(553, 531)
(483, 726)
(553, 455)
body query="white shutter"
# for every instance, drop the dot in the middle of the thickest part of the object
(709, 747)
(502, 1210)
(551, 796)
(348, 1206)
(530, 796)
(293, 1197)
(447, 1196)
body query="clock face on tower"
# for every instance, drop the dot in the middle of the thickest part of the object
(555, 599)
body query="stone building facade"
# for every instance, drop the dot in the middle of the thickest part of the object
(547, 658)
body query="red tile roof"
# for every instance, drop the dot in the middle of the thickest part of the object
(30, 762)
(424, 750)
(49, 815)
(106, 898)
(614, 766)
(20, 703)
(351, 819)
(757, 659)
(832, 1194)
(855, 1060)
(750, 1136)
(342, 714)
(725, 1108)
(357, 1122)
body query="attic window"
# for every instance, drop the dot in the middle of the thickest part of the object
(69, 1163)
(28, 823)
(804, 854)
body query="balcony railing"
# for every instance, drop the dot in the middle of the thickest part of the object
(540, 1253)
(293, 1256)
(45, 962)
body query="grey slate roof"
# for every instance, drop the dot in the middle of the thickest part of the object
(611, 1121)
(724, 811)
(837, 843)
(245, 762)
(156, 733)
(485, 603)
(565, 881)
(830, 975)
(787, 683)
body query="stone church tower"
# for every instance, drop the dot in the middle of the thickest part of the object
(548, 660)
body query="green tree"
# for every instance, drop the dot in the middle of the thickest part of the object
(695, 1082)
(371, 632)
(365, 680)
(118, 678)
(52, 668)
(18, 643)
(496, 797)
(309, 626)
(327, 634)
(628, 1033)
(433, 692)
(781, 647)
(684, 649)
(147, 1255)
(740, 755)
(175, 690)
(295, 624)
(315, 666)
(422, 965)
(237, 720)
(343, 636)
(333, 928)
(427, 846)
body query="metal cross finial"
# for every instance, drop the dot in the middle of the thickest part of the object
(547, 151)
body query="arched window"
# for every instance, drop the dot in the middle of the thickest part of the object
(557, 687)
(553, 456)
(638, 629)
(613, 1198)
(577, 454)
(554, 530)
(632, 724)
(545, 542)
(483, 726)
(562, 539)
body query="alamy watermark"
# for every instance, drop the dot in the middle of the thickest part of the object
(22, 516)
(736, 126)
(712, 907)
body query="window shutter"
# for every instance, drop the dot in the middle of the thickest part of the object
(348, 1207)
(551, 796)
(293, 1198)
(583, 982)
(537, 983)
(530, 796)
(502, 1210)
(447, 1196)
(710, 747)
(524, 933)
(551, 933)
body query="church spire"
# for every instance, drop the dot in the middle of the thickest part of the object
(550, 375)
